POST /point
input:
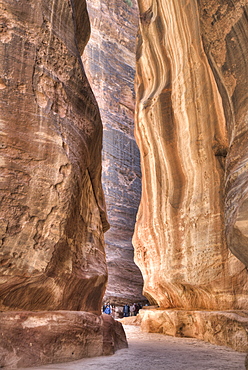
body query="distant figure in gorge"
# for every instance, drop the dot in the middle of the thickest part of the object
(132, 309)
(126, 310)
(107, 309)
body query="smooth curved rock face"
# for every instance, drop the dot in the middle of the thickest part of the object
(109, 61)
(52, 205)
(184, 138)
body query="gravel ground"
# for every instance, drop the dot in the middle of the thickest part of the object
(149, 351)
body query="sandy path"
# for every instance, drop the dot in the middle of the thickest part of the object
(160, 352)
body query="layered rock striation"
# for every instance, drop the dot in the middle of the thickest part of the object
(109, 61)
(228, 328)
(53, 214)
(52, 207)
(29, 339)
(191, 129)
(224, 33)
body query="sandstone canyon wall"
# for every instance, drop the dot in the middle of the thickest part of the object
(224, 29)
(52, 206)
(191, 128)
(109, 60)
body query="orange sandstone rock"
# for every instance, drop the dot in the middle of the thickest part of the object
(224, 34)
(193, 158)
(52, 205)
(53, 216)
(35, 338)
(227, 328)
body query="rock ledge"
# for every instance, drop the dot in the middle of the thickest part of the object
(38, 338)
(226, 328)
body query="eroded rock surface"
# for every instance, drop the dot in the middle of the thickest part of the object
(192, 133)
(224, 30)
(52, 206)
(35, 338)
(114, 336)
(109, 61)
(221, 328)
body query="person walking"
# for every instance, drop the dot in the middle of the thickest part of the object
(108, 309)
(132, 309)
(126, 310)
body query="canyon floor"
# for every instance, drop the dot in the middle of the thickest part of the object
(149, 351)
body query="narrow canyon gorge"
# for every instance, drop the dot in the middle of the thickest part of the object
(95, 207)
(109, 61)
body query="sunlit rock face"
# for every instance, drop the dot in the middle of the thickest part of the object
(192, 133)
(109, 60)
(52, 206)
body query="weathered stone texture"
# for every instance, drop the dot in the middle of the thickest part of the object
(35, 338)
(221, 328)
(224, 28)
(193, 155)
(52, 205)
(109, 61)
(114, 336)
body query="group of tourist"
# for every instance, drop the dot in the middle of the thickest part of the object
(125, 311)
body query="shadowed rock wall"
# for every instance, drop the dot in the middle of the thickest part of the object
(192, 133)
(224, 29)
(30, 339)
(109, 61)
(53, 215)
(52, 207)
